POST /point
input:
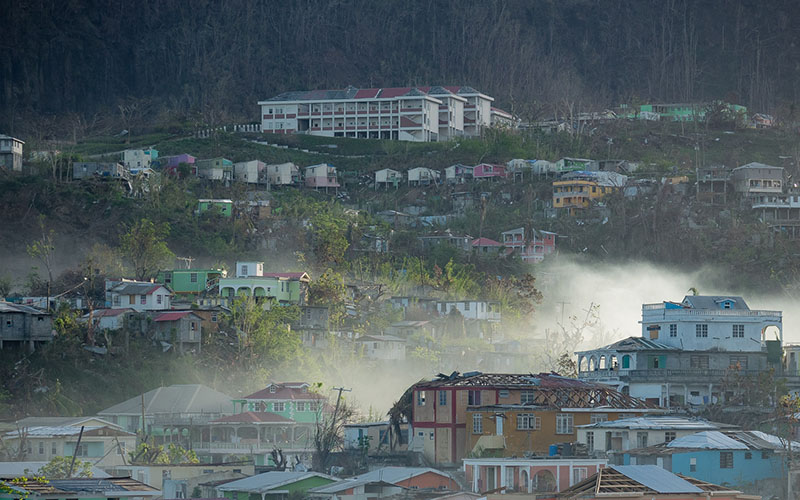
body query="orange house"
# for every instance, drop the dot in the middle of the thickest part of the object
(443, 409)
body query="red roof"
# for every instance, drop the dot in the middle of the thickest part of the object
(283, 391)
(486, 242)
(172, 315)
(252, 417)
(366, 93)
(395, 91)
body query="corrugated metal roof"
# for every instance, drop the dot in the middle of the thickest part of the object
(9, 307)
(656, 478)
(713, 301)
(269, 480)
(395, 475)
(253, 417)
(174, 399)
(666, 422)
(10, 470)
(708, 440)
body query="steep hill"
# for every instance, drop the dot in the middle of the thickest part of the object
(207, 60)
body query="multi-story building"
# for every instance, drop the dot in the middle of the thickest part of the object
(11, 153)
(458, 174)
(250, 172)
(104, 444)
(577, 190)
(321, 176)
(687, 349)
(533, 249)
(215, 169)
(756, 178)
(449, 413)
(423, 176)
(283, 174)
(405, 113)
(139, 158)
(251, 280)
(712, 184)
(519, 475)
(781, 212)
(471, 309)
(388, 177)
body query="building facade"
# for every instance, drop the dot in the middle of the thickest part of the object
(11, 153)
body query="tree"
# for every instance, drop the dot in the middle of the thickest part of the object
(328, 238)
(145, 248)
(328, 436)
(42, 250)
(151, 454)
(264, 334)
(59, 468)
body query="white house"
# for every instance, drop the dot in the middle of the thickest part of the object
(604, 436)
(384, 347)
(250, 172)
(422, 176)
(451, 112)
(248, 269)
(283, 174)
(139, 158)
(386, 177)
(458, 174)
(137, 295)
(471, 309)
(705, 322)
(109, 319)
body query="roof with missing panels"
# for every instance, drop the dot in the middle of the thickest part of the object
(639, 480)
(8, 307)
(655, 423)
(87, 487)
(636, 344)
(549, 389)
(374, 93)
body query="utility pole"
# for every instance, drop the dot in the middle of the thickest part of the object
(338, 399)
(75, 453)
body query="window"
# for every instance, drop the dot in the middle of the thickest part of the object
(278, 406)
(474, 398)
(193, 326)
(121, 448)
(143, 299)
(564, 423)
(669, 436)
(701, 330)
(528, 422)
(673, 330)
(420, 398)
(273, 389)
(748, 455)
(504, 393)
(244, 269)
(641, 440)
(193, 278)
(738, 331)
(692, 465)
(590, 441)
(578, 474)
(442, 398)
(431, 435)
(132, 299)
(595, 418)
(738, 362)
(466, 306)
(158, 299)
(764, 455)
(41, 447)
(526, 397)
(53, 449)
(300, 406)
(116, 300)
(477, 423)
(699, 362)
(726, 460)
(214, 318)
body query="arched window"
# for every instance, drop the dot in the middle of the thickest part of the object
(544, 482)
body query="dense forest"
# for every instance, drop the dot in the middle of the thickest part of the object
(213, 60)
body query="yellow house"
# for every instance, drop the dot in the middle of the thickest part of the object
(576, 194)
(516, 429)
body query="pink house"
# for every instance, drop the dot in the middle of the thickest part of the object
(488, 171)
(531, 249)
(321, 176)
(173, 162)
(486, 245)
(528, 475)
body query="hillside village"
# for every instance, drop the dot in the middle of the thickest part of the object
(410, 268)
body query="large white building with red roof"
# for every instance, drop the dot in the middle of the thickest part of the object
(401, 113)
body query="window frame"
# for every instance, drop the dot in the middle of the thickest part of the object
(477, 423)
(565, 423)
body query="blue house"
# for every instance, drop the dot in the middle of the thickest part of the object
(751, 461)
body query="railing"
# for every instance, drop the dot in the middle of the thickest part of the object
(710, 312)
(698, 375)
(253, 447)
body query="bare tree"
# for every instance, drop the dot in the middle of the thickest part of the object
(329, 433)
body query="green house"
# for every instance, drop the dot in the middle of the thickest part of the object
(284, 288)
(290, 400)
(224, 207)
(275, 485)
(191, 281)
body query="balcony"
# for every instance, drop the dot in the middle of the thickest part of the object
(698, 375)
(729, 313)
(251, 446)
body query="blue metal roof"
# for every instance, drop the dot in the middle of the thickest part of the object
(657, 479)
